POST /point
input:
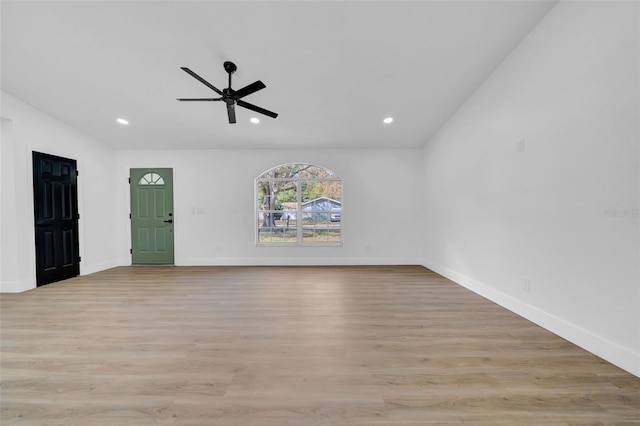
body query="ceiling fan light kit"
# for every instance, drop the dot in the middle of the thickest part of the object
(229, 96)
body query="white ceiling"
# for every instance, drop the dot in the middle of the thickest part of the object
(333, 69)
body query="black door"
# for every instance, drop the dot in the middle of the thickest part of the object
(55, 201)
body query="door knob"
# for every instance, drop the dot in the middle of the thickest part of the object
(168, 221)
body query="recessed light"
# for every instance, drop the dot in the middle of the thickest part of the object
(388, 120)
(122, 121)
(255, 120)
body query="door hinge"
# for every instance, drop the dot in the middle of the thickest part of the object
(79, 258)
(77, 173)
(78, 216)
(129, 215)
(130, 251)
(129, 180)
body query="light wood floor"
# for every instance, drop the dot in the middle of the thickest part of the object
(291, 346)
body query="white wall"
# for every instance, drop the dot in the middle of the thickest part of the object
(24, 130)
(380, 215)
(563, 213)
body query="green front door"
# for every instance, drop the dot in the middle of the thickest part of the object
(151, 216)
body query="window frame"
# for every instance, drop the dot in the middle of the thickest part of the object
(298, 182)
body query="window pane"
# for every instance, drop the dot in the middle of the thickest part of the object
(274, 197)
(334, 235)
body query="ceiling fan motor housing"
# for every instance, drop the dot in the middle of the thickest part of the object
(230, 67)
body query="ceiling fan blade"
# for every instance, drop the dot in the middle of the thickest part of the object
(199, 99)
(231, 112)
(252, 107)
(247, 90)
(201, 80)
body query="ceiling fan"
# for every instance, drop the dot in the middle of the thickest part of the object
(229, 96)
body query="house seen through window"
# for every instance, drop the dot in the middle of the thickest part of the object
(299, 204)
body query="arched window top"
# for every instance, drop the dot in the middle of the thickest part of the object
(151, 179)
(299, 171)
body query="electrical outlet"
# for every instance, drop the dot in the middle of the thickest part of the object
(526, 284)
(520, 145)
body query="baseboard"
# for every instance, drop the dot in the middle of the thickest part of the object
(612, 352)
(97, 267)
(19, 287)
(12, 287)
(296, 261)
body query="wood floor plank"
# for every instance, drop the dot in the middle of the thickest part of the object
(362, 345)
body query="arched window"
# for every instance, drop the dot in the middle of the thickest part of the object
(298, 204)
(151, 179)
